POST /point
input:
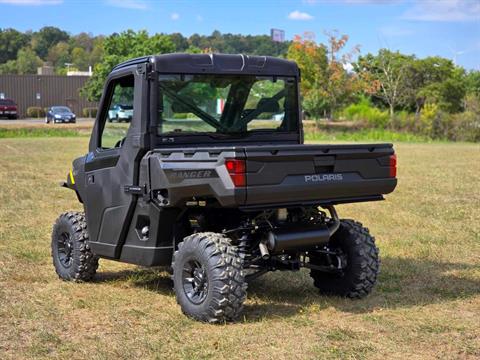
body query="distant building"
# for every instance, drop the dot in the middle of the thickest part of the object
(45, 91)
(80, 73)
(277, 35)
(45, 70)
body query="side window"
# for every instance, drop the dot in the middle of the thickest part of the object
(119, 113)
(261, 97)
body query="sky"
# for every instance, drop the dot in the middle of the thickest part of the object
(448, 28)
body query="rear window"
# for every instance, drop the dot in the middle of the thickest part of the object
(6, 102)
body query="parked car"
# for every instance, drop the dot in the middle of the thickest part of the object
(120, 112)
(8, 109)
(60, 114)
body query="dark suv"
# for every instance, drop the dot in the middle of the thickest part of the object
(8, 109)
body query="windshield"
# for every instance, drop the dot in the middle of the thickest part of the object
(226, 104)
(6, 102)
(60, 109)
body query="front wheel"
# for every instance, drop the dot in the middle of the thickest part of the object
(357, 248)
(72, 258)
(208, 279)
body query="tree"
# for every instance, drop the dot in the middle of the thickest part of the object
(80, 58)
(389, 72)
(341, 85)
(46, 38)
(325, 83)
(180, 42)
(10, 67)
(312, 60)
(59, 55)
(11, 41)
(27, 61)
(447, 94)
(121, 47)
(424, 77)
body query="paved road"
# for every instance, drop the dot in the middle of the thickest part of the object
(37, 121)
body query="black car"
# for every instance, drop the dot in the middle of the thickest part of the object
(60, 114)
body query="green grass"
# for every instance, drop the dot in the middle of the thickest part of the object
(115, 131)
(364, 135)
(24, 132)
(426, 304)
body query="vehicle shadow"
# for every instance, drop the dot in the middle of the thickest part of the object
(403, 283)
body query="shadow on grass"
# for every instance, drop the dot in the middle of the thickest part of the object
(402, 283)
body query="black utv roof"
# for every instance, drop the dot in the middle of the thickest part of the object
(216, 64)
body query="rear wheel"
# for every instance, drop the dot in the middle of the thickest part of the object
(357, 248)
(208, 279)
(72, 257)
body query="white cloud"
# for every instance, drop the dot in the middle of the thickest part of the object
(128, 4)
(199, 18)
(297, 15)
(348, 67)
(445, 10)
(175, 16)
(31, 2)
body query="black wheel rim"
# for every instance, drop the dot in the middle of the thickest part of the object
(65, 249)
(195, 281)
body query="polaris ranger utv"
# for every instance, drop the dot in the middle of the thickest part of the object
(212, 178)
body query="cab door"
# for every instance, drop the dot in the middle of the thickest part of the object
(111, 166)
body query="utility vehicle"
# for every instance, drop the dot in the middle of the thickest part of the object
(212, 178)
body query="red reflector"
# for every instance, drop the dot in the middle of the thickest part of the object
(238, 179)
(393, 166)
(236, 168)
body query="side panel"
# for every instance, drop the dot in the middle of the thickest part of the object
(177, 176)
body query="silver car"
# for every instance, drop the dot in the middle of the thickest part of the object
(120, 112)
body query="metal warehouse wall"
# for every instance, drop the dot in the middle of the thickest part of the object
(51, 90)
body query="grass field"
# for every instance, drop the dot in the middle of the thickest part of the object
(426, 305)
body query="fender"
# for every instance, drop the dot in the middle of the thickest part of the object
(70, 184)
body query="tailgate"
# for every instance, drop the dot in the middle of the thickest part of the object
(327, 174)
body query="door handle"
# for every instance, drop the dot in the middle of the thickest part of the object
(90, 179)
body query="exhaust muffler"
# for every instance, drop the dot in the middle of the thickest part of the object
(295, 237)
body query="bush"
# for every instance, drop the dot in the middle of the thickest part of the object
(89, 112)
(35, 112)
(365, 112)
(315, 105)
(437, 124)
(182, 116)
(465, 127)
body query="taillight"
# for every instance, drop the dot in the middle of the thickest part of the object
(393, 165)
(236, 168)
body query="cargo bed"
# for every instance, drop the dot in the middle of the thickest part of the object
(277, 175)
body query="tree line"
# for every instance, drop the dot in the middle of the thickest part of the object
(387, 88)
(24, 52)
